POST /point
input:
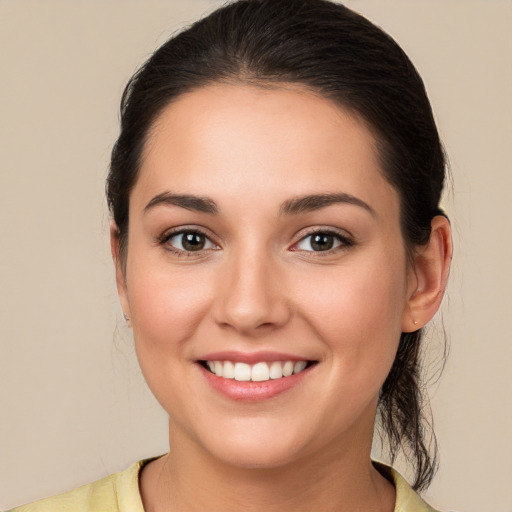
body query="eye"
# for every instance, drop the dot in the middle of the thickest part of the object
(189, 241)
(322, 241)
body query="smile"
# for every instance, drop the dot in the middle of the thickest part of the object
(258, 372)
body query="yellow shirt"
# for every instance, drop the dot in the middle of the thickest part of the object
(120, 493)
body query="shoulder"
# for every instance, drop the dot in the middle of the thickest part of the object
(116, 493)
(407, 500)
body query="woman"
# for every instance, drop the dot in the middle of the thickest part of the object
(279, 247)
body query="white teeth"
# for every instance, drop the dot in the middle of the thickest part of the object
(228, 372)
(258, 372)
(218, 368)
(299, 366)
(242, 372)
(288, 368)
(276, 370)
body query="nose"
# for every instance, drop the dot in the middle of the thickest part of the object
(252, 298)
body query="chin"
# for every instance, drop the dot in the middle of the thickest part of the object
(254, 448)
(256, 458)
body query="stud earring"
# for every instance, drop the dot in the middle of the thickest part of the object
(415, 322)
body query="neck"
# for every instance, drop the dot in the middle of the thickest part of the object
(188, 478)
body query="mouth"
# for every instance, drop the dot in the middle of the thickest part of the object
(261, 371)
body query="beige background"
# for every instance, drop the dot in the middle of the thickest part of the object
(73, 404)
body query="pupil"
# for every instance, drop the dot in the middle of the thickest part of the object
(193, 241)
(322, 242)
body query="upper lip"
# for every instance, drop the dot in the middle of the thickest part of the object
(251, 357)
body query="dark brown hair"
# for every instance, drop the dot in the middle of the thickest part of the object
(344, 57)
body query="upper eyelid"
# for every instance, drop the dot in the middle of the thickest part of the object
(342, 233)
(346, 241)
(164, 239)
(169, 233)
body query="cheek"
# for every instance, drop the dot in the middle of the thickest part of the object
(362, 296)
(166, 304)
(166, 308)
(357, 311)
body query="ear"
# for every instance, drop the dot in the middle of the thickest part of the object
(115, 247)
(429, 276)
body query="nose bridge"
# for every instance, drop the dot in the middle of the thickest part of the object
(251, 298)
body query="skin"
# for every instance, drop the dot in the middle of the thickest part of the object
(259, 286)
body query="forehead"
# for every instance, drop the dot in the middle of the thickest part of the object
(253, 140)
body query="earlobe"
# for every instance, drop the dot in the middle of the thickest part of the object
(431, 269)
(120, 271)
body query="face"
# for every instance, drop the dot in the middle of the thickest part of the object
(264, 240)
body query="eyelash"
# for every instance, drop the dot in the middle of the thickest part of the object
(344, 241)
(164, 240)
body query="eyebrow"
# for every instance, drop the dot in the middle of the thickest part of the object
(313, 202)
(293, 206)
(187, 201)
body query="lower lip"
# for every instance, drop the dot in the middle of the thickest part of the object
(250, 391)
